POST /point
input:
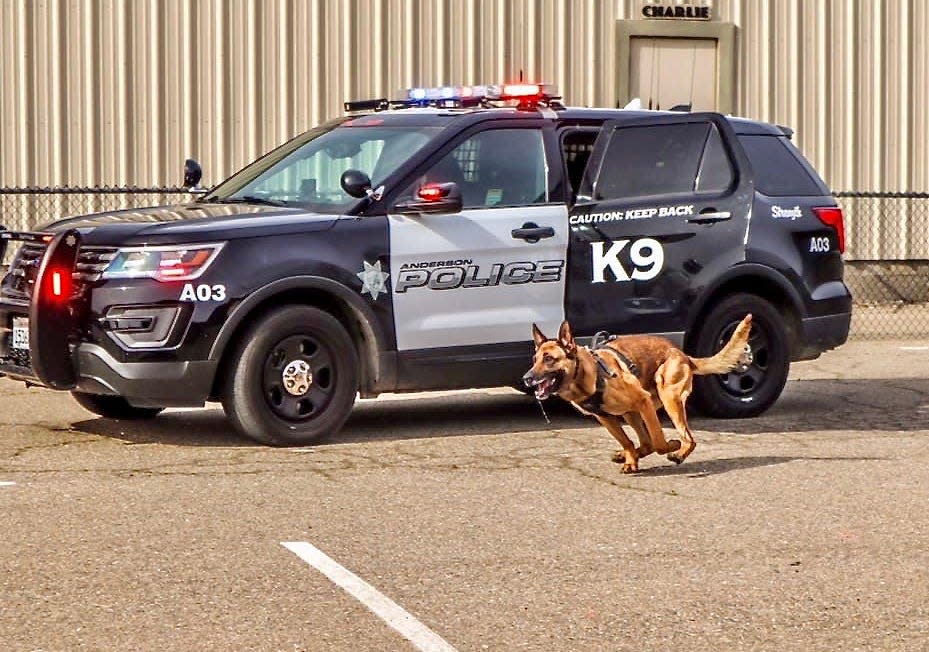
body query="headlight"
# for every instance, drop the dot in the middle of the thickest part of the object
(174, 263)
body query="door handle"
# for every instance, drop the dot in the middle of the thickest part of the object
(708, 215)
(532, 232)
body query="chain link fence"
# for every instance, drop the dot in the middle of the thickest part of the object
(887, 263)
(887, 256)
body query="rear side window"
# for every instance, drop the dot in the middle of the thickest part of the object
(778, 170)
(664, 160)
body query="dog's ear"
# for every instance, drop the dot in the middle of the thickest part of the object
(566, 337)
(537, 336)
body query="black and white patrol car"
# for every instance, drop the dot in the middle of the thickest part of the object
(410, 245)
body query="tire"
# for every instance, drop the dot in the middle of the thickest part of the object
(113, 407)
(309, 349)
(747, 391)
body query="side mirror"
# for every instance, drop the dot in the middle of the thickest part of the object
(432, 198)
(192, 174)
(356, 183)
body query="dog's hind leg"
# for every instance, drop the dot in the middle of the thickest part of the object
(615, 428)
(674, 387)
(653, 432)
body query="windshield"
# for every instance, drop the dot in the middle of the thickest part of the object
(306, 171)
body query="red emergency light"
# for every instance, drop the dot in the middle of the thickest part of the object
(431, 193)
(58, 285)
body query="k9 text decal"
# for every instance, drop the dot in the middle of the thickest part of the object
(646, 257)
(204, 292)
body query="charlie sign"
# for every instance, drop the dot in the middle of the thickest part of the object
(675, 10)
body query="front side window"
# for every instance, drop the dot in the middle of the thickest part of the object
(495, 168)
(308, 172)
(663, 160)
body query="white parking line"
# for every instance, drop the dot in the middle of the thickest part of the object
(914, 348)
(6, 483)
(386, 609)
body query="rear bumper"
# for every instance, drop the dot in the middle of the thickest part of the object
(819, 334)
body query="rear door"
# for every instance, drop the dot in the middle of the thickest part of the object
(662, 209)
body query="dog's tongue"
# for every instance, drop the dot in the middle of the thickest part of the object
(544, 388)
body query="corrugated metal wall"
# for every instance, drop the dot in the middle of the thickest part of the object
(114, 92)
(121, 91)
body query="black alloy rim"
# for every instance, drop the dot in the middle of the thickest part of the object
(306, 406)
(745, 381)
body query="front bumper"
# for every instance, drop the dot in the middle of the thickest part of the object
(143, 384)
(59, 355)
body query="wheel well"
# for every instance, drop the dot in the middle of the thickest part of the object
(761, 287)
(347, 316)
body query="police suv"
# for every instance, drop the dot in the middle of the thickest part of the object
(409, 246)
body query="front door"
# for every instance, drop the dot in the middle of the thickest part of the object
(474, 278)
(662, 210)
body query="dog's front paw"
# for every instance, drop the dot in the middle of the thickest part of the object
(619, 457)
(630, 468)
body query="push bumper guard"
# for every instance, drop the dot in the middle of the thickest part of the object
(52, 317)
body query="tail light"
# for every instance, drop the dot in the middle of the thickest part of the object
(832, 216)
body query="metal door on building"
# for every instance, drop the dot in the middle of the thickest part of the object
(673, 72)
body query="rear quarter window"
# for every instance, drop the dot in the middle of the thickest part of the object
(779, 168)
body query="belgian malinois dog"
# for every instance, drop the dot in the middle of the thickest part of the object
(630, 377)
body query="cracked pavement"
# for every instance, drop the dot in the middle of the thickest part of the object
(802, 529)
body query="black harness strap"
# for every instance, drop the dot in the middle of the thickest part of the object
(594, 403)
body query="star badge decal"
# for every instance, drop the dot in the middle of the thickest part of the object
(373, 279)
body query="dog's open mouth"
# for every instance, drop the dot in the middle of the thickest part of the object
(548, 385)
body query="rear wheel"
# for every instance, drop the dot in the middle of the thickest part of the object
(293, 377)
(113, 407)
(752, 388)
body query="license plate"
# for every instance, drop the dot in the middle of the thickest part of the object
(20, 333)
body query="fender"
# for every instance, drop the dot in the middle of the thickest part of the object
(380, 360)
(744, 270)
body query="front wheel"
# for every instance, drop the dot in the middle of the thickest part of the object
(751, 388)
(113, 407)
(293, 378)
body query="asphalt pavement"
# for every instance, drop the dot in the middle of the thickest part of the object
(464, 520)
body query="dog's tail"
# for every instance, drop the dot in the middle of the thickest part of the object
(730, 355)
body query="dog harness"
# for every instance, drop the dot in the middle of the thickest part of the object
(594, 402)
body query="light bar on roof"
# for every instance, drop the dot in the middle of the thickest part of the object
(456, 94)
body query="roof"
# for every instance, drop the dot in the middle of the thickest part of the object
(443, 116)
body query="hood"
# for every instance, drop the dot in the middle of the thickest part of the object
(191, 223)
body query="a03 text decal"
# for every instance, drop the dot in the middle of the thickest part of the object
(646, 255)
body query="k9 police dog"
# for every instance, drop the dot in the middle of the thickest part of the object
(629, 377)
